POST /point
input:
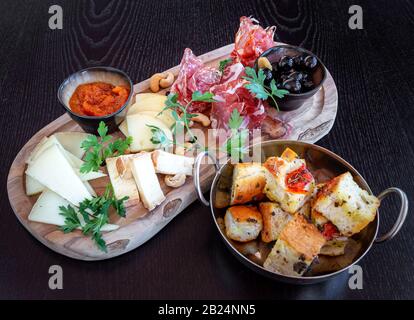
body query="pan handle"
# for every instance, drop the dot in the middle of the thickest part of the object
(196, 174)
(401, 216)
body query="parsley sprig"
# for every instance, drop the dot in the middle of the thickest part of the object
(224, 63)
(235, 145)
(95, 214)
(258, 88)
(98, 149)
(183, 119)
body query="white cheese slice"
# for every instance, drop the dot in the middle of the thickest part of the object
(46, 210)
(122, 180)
(147, 102)
(164, 116)
(123, 127)
(147, 181)
(33, 186)
(71, 141)
(169, 163)
(139, 130)
(89, 188)
(53, 170)
(36, 149)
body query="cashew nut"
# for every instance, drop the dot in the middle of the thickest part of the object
(175, 181)
(161, 80)
(201, 118)
(264, 63)
(180, 150)
(168, 81)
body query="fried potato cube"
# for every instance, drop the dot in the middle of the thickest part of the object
(346, 205)
(248, 183)
(243, 223)
(274, 220)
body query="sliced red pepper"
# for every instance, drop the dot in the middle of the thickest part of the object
(330, 231)
(297, 180)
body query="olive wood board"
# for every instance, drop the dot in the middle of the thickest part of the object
(309, 123)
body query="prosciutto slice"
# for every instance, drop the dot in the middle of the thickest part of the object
(251, 41)
(231, 94)
(194, 76)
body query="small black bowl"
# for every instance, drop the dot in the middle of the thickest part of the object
(110, 75)
(293, 101)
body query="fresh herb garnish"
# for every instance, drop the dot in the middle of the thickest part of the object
(236, 145)
(185, 117)
(159, 137)
(224, 63)
(98, 149)
(258, 88)
(95, 214)
(71, 219)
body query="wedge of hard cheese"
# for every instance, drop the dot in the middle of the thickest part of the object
(33, 186)
(72, 141)
(169, 163)
(53, 170)
(122, 180)
(46, 210)
(139, 128)
(147, 181)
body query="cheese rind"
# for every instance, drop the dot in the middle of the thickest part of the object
(147, 182)
(33, 186)
(52, 169)
(122, 179)
(169, 163)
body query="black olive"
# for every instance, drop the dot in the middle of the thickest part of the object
(298, 61)
(284, 77)
(268, 76)
(295, 75)
(286, 63)
(310, 62)
(292, 85)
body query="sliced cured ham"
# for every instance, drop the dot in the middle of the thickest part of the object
(251, 41)
(194, 76)
(231, 94)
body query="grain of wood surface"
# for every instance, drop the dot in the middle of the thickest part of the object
(374, 130)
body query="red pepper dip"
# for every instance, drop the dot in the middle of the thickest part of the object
(98, 99)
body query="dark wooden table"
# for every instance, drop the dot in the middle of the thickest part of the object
(374, 72)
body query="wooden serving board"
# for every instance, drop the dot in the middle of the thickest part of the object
(309, 123)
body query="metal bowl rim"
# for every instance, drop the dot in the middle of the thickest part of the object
(272, 274)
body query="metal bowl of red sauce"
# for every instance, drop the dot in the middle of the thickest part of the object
(96, 94)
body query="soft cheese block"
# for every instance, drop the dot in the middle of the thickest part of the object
(147, 182)
(169, 163)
